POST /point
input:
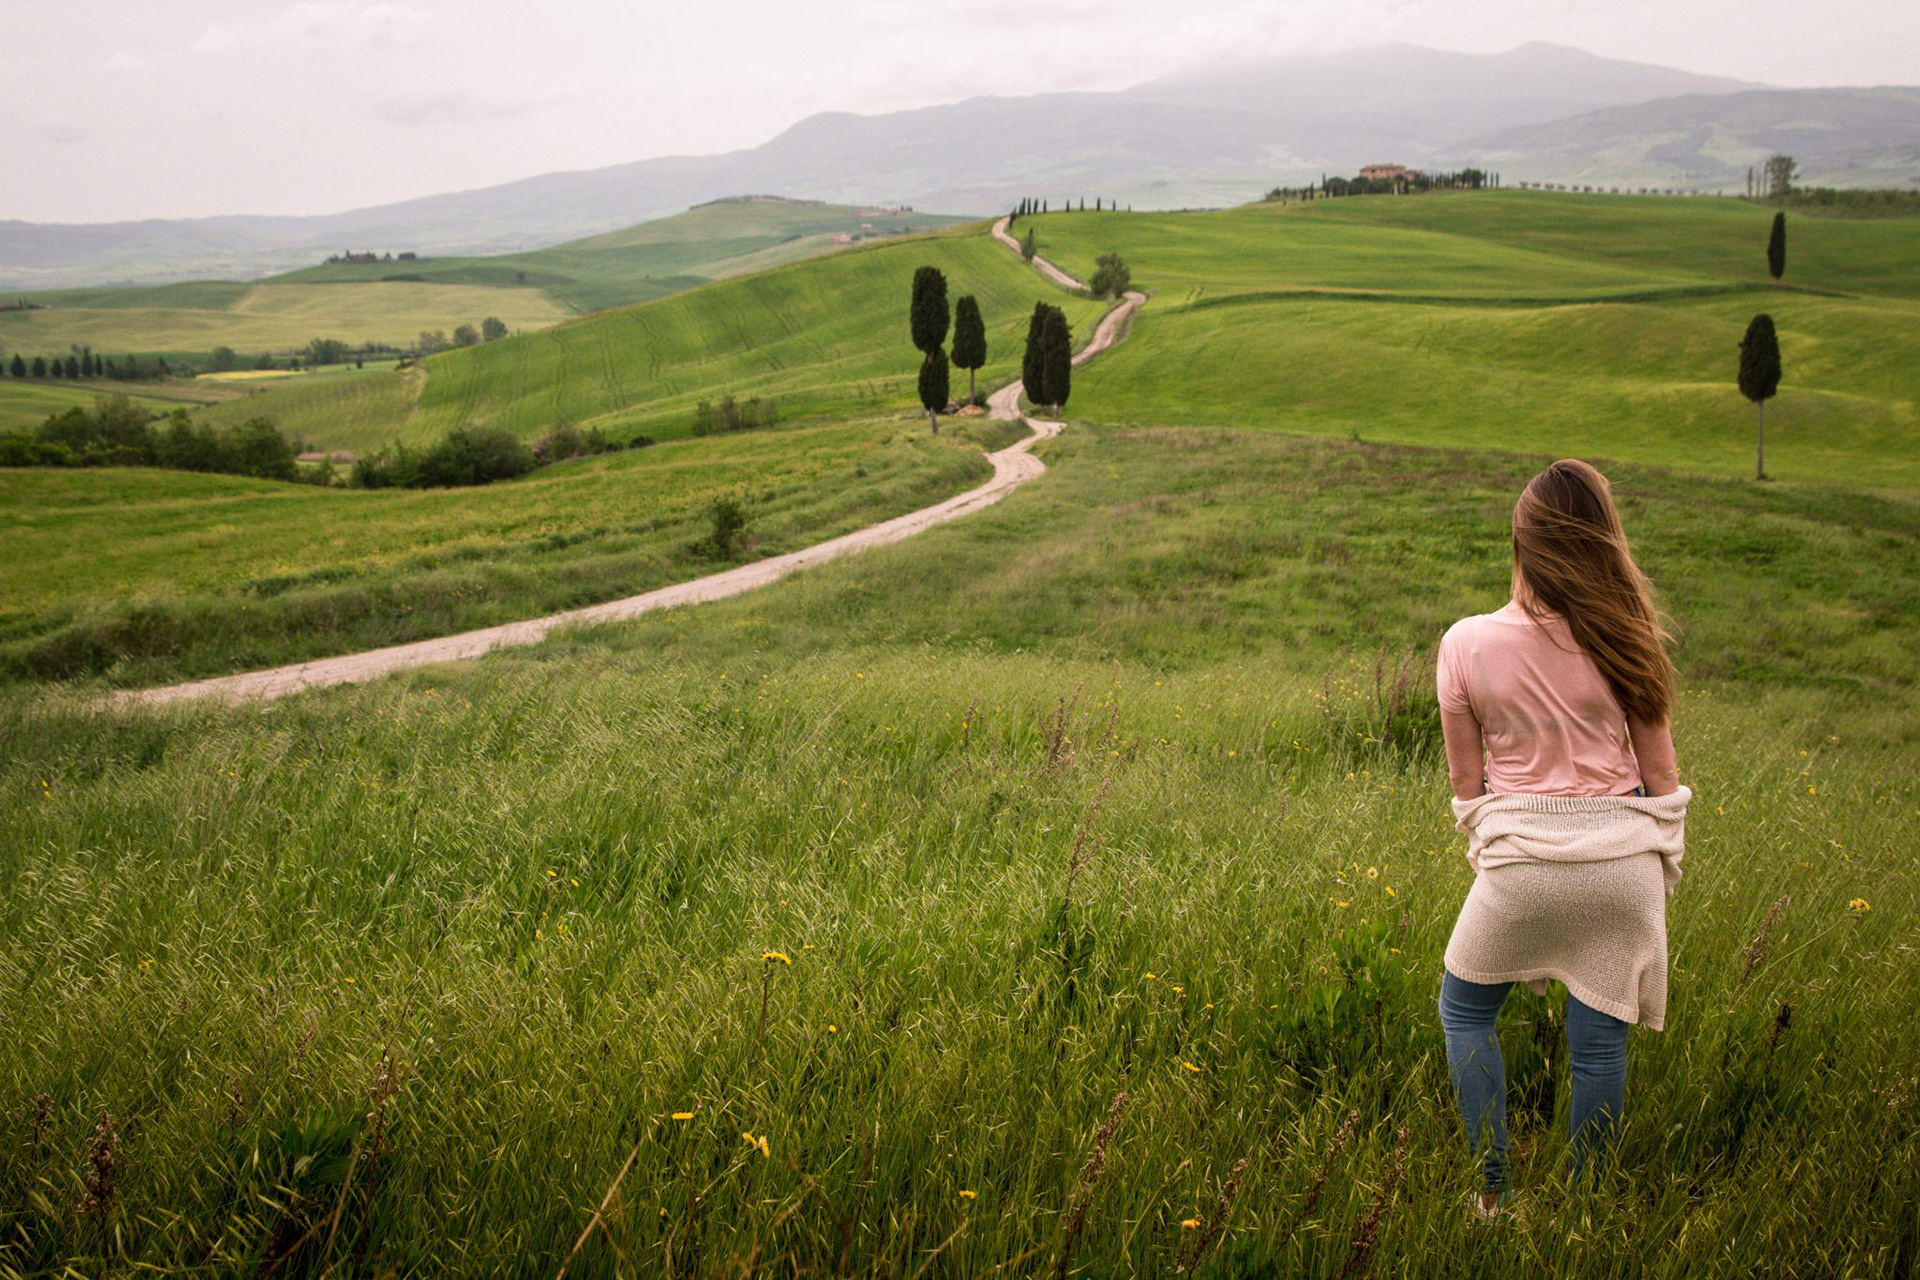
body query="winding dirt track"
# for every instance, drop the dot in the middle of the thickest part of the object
(1012, 466)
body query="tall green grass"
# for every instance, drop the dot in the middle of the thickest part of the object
(143, 576)
(1068, 802)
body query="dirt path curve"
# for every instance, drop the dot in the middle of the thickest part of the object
(1012, 466)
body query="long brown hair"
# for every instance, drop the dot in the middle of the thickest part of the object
(1571, 553)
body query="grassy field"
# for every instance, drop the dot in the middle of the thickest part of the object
(654, 259)
(824, 336)
(392, 301)
(1605, 327)
(911, 865)
(25, 404)
(269, 316)
(144, 576)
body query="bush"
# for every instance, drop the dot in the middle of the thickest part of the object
(733, 415)
(475, 455)
(729, 518)
(1110, 276)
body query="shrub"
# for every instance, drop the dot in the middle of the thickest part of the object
(1110, 276)
(729, 518)
(475, 455)
(733, 415)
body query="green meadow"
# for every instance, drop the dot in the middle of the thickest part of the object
(144, 576)
(392, 301)
(1059, 891)
(825, 336)
(1606, 327)
(653, 259)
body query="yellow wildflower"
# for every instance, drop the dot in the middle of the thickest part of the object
(967, 1195)
(1391, 893)
(832, 1030)
(1858, 905)
(1189, 1224)
(683, 1115)
(1341, 904)
(1189, 1066)
(781, 956)
(1373, 873)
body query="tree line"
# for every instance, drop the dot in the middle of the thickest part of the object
(118, 433)
(81, 362)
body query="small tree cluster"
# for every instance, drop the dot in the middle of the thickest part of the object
(711, 419)
(118, 433)
(464, 456)
(1110, 276)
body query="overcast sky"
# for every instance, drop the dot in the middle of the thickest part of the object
(178, 108)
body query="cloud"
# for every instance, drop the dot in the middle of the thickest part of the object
(461, 106)
(125, 60)
(217, 38)
(63, 130)
(373, 26)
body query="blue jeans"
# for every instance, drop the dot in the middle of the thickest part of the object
(1596, 1045)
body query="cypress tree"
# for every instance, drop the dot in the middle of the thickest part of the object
(1033, 371)
(969, 339)
(1759, 379)
(1056, 358)
(73, 367)
(39, 366)
(929, 312)
(933, 386)
(1777, 245)
(19, 366)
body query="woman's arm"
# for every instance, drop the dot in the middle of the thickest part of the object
(1653, 748)
(1466, 753)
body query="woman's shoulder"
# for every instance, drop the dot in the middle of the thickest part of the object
(1473, 623)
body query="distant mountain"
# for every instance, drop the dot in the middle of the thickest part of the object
(1407, 103)
(1218, 137)
(1839, 137)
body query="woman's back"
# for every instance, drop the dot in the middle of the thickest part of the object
(1550, 721)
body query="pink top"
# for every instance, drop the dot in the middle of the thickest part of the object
(1549, 720)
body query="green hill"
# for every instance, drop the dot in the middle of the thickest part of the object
(828, 335)
(653, 259)
(1604, 326)
(391, 301)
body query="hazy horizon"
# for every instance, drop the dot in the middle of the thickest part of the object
(128, 111)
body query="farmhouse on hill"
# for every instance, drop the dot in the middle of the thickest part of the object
(1374, 172)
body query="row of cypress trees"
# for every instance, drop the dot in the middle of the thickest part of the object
(1760, 350)
(928, 319)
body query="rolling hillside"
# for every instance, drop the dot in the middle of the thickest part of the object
(1602, 326)
(1840, 137)
(393, 301)
(825, 335)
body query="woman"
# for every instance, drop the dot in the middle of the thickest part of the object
(1555, 711)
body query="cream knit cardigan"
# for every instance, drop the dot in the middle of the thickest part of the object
(1573, 888)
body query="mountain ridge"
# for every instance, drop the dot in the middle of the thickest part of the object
(1201, 138)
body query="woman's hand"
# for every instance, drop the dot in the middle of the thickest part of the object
(1653, 748)
(1466, 754)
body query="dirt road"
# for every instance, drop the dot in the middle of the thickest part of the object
(1011, 466)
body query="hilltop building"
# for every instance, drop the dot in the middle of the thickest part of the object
(1375, 172)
